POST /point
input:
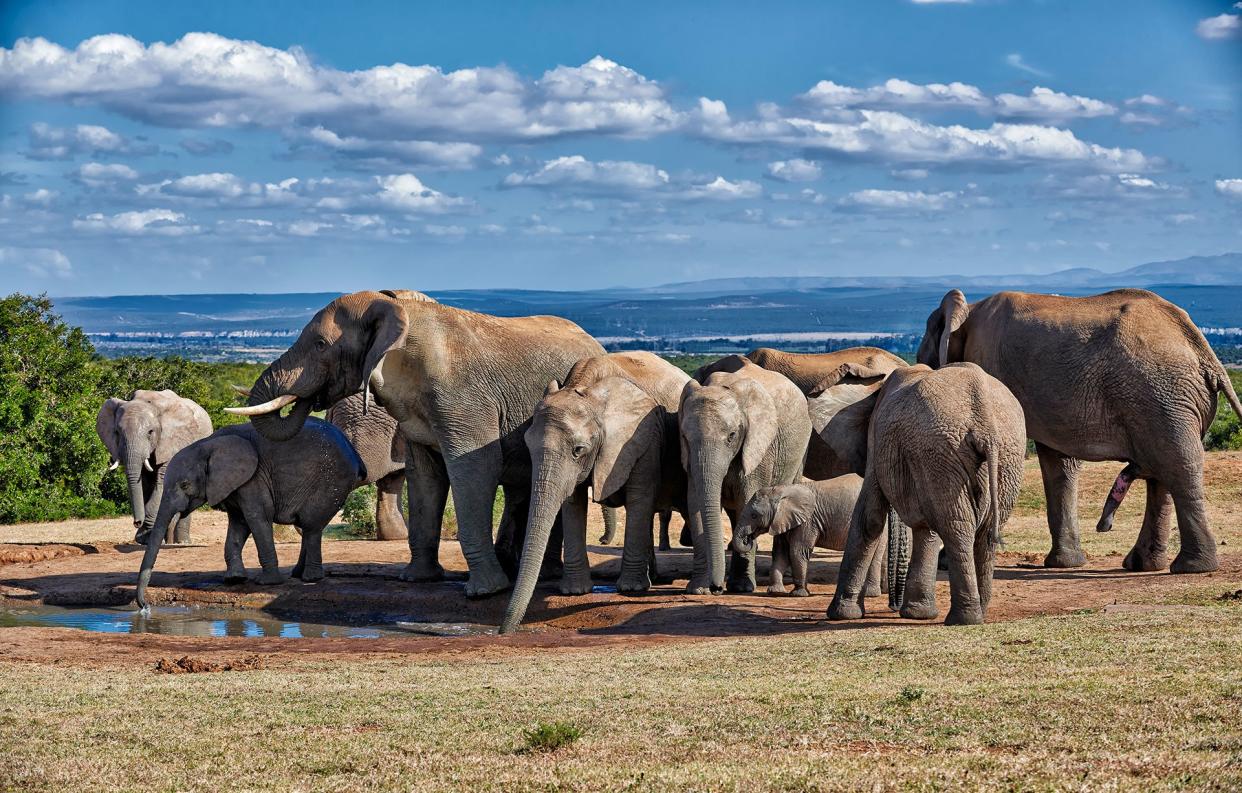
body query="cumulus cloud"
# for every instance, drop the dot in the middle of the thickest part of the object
(1154, 111)
(1219, 28)
(96, 175)
(225, 189)
(623, 178)
(60, 143)
(794, 171)
(894, 94)
(400, 193)
(366, 154)
(1230, 188)
(39, 262)
(147, 222)
(1108, 187)
(1044, 103)
(899, 201)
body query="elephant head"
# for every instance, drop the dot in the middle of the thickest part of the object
(729, 423)
(938, 346)
(335, 356)
(205, 472)
(775, 509)
(131, 431)
(596, 433)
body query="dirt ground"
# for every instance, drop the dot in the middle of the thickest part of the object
(81, 563)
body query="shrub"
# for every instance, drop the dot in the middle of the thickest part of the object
(549, 736)
(359, 511)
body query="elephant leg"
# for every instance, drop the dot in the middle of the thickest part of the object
(1060, 475)
(576, 578)
(985, 563)
(610, 525)
(666, 517)
(234, 541)
(741, 579)
(862, 543)
(261, 528)
(1198, 551)
(389, 522)
(310, 558)
(428, 484)
(1151, 549)
(474, 482)
(780, 560)
(182, 533)
(959, 543)
(875, 585)
(638, 553)
(799, 564)
(920, 597)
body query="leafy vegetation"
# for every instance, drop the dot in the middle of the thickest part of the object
(548, 737)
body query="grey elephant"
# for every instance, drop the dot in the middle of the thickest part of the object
(611, 428)
(143, 434)
(946, 452)
(374, 435)
(742, 428)
(802, 517)
(1121, 376)
(461, 386)
(302, 482)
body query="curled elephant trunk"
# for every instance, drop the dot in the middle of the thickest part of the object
(148, 559)
(266, 396)
(548, 494)
(706, 480)
(134, 459)
(1116, 495)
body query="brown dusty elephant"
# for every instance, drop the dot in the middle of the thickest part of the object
(612, 429)
(302, 482)
(742, 428)
(946, 452)
(802, 517)
(143, 434)
(461, 386)
(1122, 376)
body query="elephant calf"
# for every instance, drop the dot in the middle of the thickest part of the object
(802, 517)
(946, 452)
(302, 481)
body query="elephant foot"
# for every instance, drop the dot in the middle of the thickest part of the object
(634, 582)
(142, 536)
(702, 585)
(741, 586)
(665, 545)
(968, 615)
(576, 584)
(1201, 562)
(872, 589)
(486, 582)
(235, 577)
(919, 611)
(1062, 557)
(776, 589)
(685, 541)
(422, 571)
(606, 539)
(1145, 560)
(800, 592)
(842, 609)
(270, 577)
(310, 575)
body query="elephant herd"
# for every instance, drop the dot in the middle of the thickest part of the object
(852, 450)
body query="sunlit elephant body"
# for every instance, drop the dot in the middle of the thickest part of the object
(742, 428)
(461, 385)
(946, 452)
(143, 434)
(610, 429)
(301, 482)
(375, 436)
(1123, 376)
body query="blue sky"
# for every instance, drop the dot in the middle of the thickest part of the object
(273, 146)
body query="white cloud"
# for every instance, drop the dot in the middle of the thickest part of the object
(383, 154)
(401, 193)
(900, 200)
(225, 189)
(1154, 111)
(156, 222)
(1015, 60)
(1044, 103)
(895, 94)
(721, 189)
(61, 143)
(1218, 28)
(1108, 187)
(39, 262)
(306, 228)
(1230, 188)
(622, 178)
(41, 197)
(96, 175)
(794, 171)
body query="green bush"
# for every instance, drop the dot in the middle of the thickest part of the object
(549, 736)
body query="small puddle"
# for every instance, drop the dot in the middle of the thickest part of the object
(201, 621)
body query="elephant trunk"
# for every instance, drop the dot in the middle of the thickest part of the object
(153, 550)
(550, 487)
(707, 478)
(134, 460)
(272, 425)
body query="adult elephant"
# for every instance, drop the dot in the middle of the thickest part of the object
(374, 435)
(143, 434)
(1124, 376)
(460, 384)
(743, 428)
(612, 428)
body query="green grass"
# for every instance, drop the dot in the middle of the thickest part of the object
(544, 737)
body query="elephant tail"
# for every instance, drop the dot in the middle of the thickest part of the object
(1223, 383)
(994, 490)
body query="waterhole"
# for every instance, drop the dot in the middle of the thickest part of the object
(202, 621)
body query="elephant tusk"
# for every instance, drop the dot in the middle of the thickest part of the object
(147, 465)
(270, 406)
(241, 389)
(113, 465)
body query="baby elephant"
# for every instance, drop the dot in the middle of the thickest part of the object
(302, 481)
(946, 451)
(802, 517)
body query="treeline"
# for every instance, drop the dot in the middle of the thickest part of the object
(52, 382)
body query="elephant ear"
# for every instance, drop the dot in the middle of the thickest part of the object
(945, 322)
(689, 388)
(633, 421)
(761, 421)
(388, 324)
(105, 426)
(848, 374)
(841, 417)
(180, 424)
(230, 463)
(793, 510)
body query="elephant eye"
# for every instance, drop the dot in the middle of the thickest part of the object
(321, 344)
(732, 436)
(579, 450)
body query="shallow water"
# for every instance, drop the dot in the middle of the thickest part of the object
(196, 621)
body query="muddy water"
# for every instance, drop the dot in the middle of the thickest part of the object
(196, 621)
